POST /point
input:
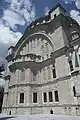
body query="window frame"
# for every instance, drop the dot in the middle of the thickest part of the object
(46, 97)
(49, 96)
(71, 65)
(74, 91)
(33, 98)
(57, 96)
(54, 72)
(20, 98)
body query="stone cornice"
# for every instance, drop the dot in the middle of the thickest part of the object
(28, 55)
(54, 81)
(30, 64)
(43, 105)
(75, 72)
(75, 42)
(39, 65)
(59, 52)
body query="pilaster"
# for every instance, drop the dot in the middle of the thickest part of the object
(28, 75)
(26, 48)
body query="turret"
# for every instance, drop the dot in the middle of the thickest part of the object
(58, 9)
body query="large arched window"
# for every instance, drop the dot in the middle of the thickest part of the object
(39, 36)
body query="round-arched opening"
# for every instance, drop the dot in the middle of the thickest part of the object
(35, 35)
(51, 111)
(9, 112)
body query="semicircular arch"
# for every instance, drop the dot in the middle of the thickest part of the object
(47, 38)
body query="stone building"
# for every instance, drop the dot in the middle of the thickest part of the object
(43, 73)
(1, 97)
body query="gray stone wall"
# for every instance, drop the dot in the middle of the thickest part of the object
(31, 71)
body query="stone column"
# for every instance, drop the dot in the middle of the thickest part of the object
(36, 42)
(46, 74)
(30, 46)
(28, 75)
(26, 48)
(39, 76)
(17, 75)
(51, 67)
(23, 50)
(42, 76)
(28, 95)
(16, 88)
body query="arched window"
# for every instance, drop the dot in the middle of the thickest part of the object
(71, 65)
(51, 111)
(56, 96)
(21, 98)
(74, 91)
(10, 113)
(54, 72)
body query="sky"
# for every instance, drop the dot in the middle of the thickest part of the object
(16, 15)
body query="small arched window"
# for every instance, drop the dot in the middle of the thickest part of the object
(51, 111)
(74, 91)
(10, 113)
